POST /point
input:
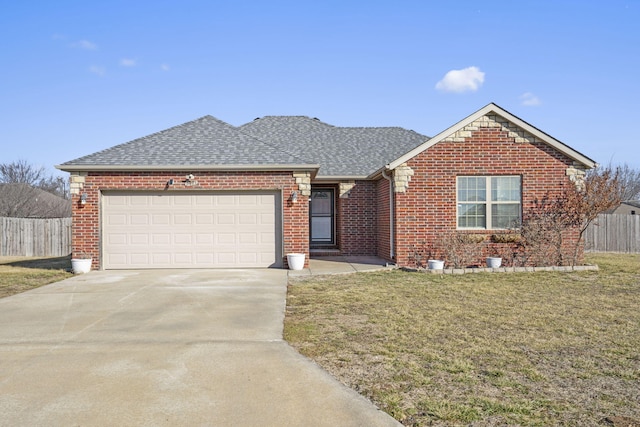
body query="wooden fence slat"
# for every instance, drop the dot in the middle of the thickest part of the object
(613, 233)
(35, 236)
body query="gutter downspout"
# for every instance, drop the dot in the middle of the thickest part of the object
(391, 215)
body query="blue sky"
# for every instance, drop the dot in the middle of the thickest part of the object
(77, 77)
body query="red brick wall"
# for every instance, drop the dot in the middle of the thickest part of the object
(384, 224)
(357, 231)
(428, 208)
(86, 218)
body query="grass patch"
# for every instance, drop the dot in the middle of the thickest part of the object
(531, 349)
(20, 274)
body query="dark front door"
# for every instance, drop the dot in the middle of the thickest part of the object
(321, 214)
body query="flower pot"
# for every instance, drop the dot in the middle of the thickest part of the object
(494, 262)
(436, 264)
(80, 265)
(295, 261)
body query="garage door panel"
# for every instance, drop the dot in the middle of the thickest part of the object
(160, 219)
(157, 200)
(138, 239)
(225, 258)
(190, 230)
(114, 219)
(142, 258)
(182, 238)
(247, 219)
(202, 238)
(225, 219)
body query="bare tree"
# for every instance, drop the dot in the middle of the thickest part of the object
(575, 207)
(602, 190)
(630, 182)
(21, 172)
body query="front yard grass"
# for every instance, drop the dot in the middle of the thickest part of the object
(531, 349)
(20, 274)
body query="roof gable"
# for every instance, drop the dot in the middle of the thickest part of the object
(520, 130)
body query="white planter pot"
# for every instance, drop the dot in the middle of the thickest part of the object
(295, 261)
(436, 264)
(81, 265)
(494, 262)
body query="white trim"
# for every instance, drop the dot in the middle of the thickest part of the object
(488, 109)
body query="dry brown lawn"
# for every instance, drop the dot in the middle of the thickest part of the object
(19, 274)
(530, 349)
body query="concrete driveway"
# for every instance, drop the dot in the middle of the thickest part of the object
(177, 347)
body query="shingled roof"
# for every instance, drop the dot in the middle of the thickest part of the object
(340, 151)
(275, 142)
(206, 141)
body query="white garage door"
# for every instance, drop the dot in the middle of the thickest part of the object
(190, 230)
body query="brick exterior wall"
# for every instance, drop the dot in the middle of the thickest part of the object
(86, 218)
(357, 211)
(428, 207)
(384, 224)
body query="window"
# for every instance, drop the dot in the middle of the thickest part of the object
(489, 202)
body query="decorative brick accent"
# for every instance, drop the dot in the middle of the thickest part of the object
(76, 182)
(401, 177)
(303, 179)
(576, 174)
(518, 134)
(345, 188)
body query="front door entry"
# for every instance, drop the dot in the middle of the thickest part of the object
(321, 214)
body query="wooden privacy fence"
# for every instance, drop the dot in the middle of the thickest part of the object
(35, 236)
(613, 233)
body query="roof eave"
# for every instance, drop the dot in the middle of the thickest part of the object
(493, 108)
(137, 168)
(336, 178)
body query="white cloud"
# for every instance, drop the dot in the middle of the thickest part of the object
(97, 70)
(164, 67)
(529, 99)
(85, 44)
(466, 80)
(128, 62)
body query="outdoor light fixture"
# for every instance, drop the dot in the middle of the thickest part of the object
(83, 199)
(170, 182)
(294, 197)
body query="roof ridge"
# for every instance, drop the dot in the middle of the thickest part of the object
(313, 119)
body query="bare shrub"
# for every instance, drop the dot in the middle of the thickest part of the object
(461, 250)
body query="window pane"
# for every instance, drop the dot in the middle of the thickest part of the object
(505, 188)
(505, 215)
(472, 215)
(472, 189)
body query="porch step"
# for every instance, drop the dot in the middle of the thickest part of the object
(324, 252)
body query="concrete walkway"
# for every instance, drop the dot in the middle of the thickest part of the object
(341, 265)
(156, 348)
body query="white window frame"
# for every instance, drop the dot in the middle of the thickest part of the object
(488, 202)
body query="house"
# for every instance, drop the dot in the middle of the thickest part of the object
(22, 200)
(208, 194)
(628, 207)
